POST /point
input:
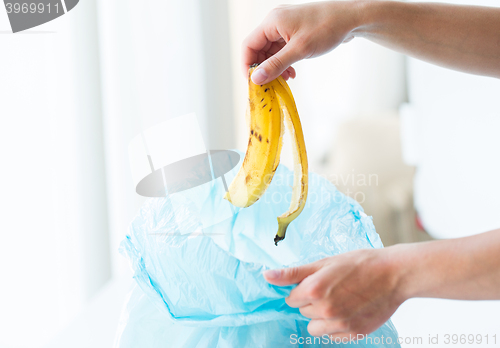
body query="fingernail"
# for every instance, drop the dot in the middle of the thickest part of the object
(259, 76)
(272, 274)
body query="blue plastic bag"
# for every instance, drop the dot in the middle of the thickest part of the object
(200, 286)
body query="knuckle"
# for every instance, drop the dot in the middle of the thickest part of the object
(277, 12)
(314, 292)
(276, 63)
(292, 273)
(329, 312)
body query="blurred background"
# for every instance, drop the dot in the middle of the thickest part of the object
(418, 146)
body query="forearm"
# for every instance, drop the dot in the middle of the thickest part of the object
(465, 38)
(463, 268)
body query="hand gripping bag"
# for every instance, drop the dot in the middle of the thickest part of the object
(200, 285)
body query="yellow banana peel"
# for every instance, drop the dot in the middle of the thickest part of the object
(264, 146)
(269, 107)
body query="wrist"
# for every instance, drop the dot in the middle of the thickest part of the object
(371, 15)
(407, 270)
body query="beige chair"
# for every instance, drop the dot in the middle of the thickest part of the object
(366, 163)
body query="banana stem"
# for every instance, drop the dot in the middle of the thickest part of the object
(281, 232)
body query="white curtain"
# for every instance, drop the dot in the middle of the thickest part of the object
(55, 241)
(163, 60)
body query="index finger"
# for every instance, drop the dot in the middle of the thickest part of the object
(301, 296)
(256, 44)
(309, 290)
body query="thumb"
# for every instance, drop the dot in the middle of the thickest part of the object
(275, 65)
(292, 275)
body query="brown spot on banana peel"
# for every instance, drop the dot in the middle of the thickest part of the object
(245, 160)
(268, 155)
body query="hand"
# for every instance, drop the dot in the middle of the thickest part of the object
(348, 294)
(291, 33)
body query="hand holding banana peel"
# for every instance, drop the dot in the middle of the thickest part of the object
(270, 107)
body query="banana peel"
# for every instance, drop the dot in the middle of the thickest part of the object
(300, 164)
(264, 146)
(269, 107)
